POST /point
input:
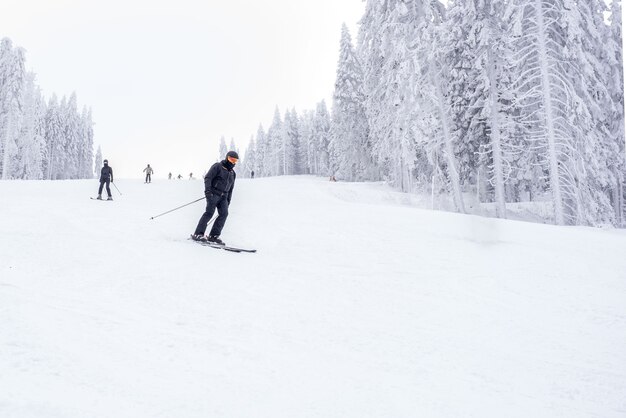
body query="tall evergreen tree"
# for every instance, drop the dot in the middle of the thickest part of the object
(349, 147)
(249, 160)
(261, 153)
(321, 140)
(275, 147)
(291, 141)
(12, 81)
(567, 102)
(615, 82)
(31, 141)
(547, 102)
(223, 150)
(87, 144)
(98, 162)
(233, 146)
(73, 139)
(306, 142)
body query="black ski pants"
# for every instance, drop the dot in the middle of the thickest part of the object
(102, 183)
(148, 178)
(213, 202)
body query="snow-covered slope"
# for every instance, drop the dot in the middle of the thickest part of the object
(357, 304)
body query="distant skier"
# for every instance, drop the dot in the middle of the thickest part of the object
(252, 174)
(169, 176)
(218, 190)
(148, 170)
(190, 176)
(106, 176)
(179, 177)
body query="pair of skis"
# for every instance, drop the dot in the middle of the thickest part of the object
(224, 247)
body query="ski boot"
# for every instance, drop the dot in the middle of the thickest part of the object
(110, 198)
(99, 197)
(215, 239)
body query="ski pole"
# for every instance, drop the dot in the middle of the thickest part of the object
(172, 210)
(118, 190)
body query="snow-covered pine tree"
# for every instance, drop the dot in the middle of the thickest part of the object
(12, 81)
(249, 160)
(98, 162)
(291, 143)
(461, 134)
(349, 147)
(31, 142)
(453, 53)
(223, 150)
(86, 124)
(274, 156)
(321, 139)
(434, 93)
(566, 102)
(545, 97)
(233, 146)
(62, 141)
(486, 42)
(54, 140)
(260, 163)
(372, 57)
(388, 45)
(599, 168)
(305, 135)
(73, 139)
(615, 59)
(287, 161)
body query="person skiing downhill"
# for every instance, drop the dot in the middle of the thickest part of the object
(219, 182)
(148, 170)
(106, 176)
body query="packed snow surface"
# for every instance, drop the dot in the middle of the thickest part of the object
(358, 303)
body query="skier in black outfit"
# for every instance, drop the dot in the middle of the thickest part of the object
(218, 190)
(106, 176)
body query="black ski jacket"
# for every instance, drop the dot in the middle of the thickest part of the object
(220, 180)
(106, 173)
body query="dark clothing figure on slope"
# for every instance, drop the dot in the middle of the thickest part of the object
(218, 190)
(106, 177)
(148, 170)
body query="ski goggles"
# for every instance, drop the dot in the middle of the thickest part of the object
(232, 160)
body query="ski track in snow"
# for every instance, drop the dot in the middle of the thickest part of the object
(357, 304)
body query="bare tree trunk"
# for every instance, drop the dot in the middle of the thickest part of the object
(448, 148)
(496, 141)
(555, 183)
(6, 160)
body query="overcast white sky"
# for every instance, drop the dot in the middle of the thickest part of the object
(166, 79)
